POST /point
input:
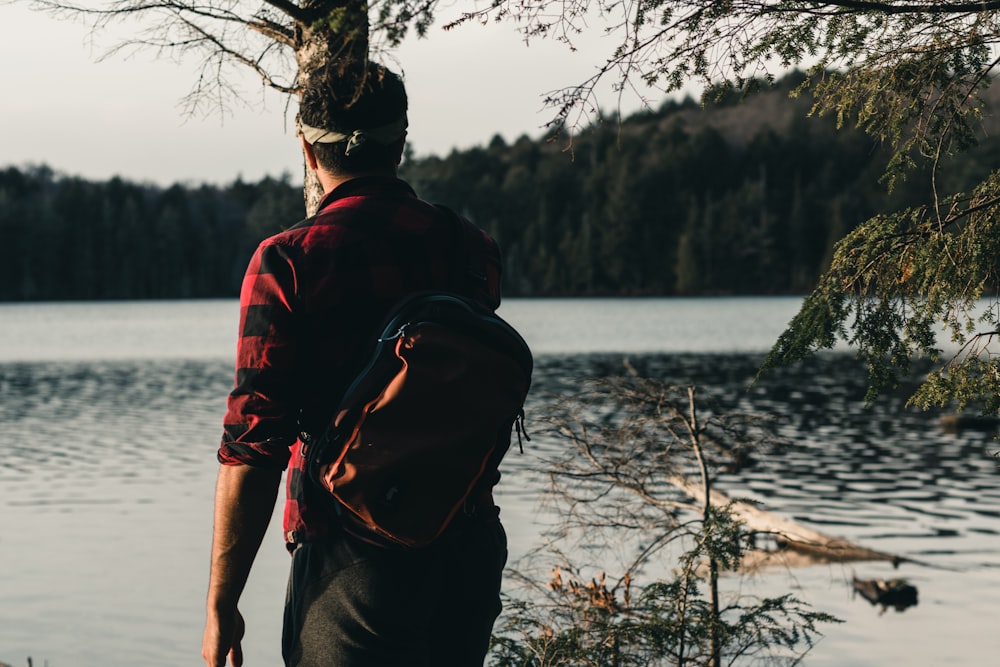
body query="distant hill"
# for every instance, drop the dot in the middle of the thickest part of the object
(746, 196)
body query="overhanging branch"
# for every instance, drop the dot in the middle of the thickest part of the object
(292, 10)
(226, 52)
(930, 8)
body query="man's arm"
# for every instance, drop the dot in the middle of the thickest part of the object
(244, 501)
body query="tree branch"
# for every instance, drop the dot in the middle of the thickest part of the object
(226, 52)
(930, 8)
(269, 29)
(290, 9)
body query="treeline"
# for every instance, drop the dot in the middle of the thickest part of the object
(67, 238)
(748, 196)
(745, 197)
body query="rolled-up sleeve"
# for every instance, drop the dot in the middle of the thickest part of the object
(261, 421)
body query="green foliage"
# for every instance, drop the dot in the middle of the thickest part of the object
(895, 282)
(976, 381)
(337, 19)
(396, 19)
(889, 103)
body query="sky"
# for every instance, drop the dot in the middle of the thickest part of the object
(82, 116)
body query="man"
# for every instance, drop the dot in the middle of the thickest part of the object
(311, 300)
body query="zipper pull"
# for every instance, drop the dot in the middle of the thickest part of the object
(399, 334)
(306, 440)
(521, 430)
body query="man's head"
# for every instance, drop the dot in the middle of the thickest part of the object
(354, 117)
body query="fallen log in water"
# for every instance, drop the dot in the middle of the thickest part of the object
(796, 544)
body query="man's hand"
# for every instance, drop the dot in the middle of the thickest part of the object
(223, 636)
(244, 501)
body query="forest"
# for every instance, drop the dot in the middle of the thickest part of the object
(744, 195)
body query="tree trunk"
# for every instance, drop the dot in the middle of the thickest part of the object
(797, 544)
(341, 35)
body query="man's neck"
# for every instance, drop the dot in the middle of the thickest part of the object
(331, 181)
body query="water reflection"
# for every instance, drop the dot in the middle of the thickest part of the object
(883, 476)
(108, 469)
(883, 471)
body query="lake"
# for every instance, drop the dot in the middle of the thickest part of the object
(112, 414)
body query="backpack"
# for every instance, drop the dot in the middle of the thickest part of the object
(426, 422)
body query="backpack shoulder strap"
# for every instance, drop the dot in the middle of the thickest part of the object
(475, 257)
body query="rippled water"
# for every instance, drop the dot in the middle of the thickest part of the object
(884, 476)
(107, 477)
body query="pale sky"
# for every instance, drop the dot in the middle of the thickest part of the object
(122, 116)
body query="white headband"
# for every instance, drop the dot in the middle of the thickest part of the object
(383, 135)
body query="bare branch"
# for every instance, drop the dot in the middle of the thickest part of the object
(222, 51)
(217, 31)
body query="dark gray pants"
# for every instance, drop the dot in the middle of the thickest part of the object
(352, 604)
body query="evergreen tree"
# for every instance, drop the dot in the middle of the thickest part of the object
(913, 74)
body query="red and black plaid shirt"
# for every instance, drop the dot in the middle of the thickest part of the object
(312, 300)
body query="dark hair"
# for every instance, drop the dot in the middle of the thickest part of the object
(348, 97)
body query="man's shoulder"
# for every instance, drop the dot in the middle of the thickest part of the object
(335, 224)
(357, 215)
